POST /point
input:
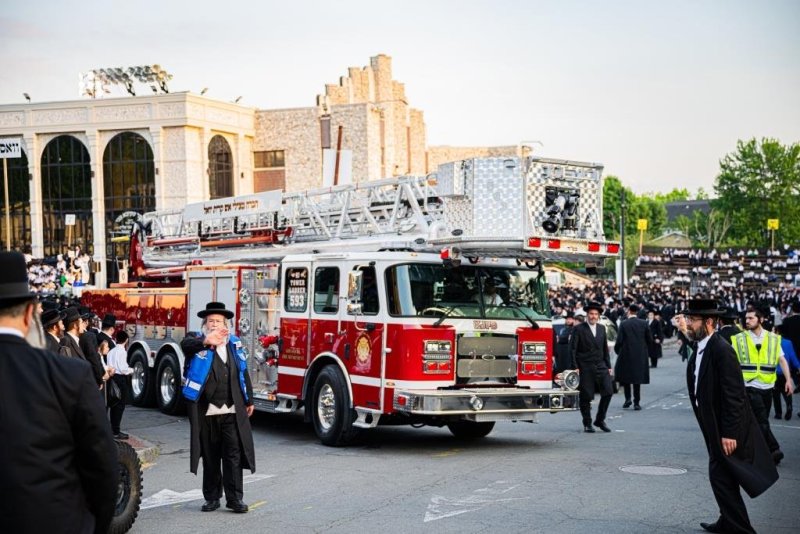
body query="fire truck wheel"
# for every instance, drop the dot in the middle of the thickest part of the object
(142, 388)
(129, 491)
(470, 430)
(168, 385)
(330, 409)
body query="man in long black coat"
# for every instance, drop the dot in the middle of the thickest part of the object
(58, 458)
(589, 348)
(220, 424)
(790, 328)
(563, 356)
(738, 454)
(657, 332)
(632, 348)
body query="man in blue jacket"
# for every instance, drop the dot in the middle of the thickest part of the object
(220, 395)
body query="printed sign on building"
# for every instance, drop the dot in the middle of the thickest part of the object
(11, 147)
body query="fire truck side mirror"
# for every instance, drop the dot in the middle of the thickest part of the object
(355, 282)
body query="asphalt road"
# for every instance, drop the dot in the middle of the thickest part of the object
(648, 476)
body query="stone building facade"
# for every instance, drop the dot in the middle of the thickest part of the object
(385, 135)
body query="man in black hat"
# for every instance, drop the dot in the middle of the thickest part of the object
(657, 333)
(728, 320)
(58, 456)
(53, 323)
(73, 328)
(589, 348)
(633, 343)
(220, 397)
(107, 328)
(89, 346)
(738, 454)
(563, 356)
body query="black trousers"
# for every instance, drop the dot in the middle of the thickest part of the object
(116, 410)
(777, 393)
(637, 392)
(760, 400)
(733, 513)
(594, 377)
(219, 444)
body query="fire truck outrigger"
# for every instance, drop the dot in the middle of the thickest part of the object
(412, 300)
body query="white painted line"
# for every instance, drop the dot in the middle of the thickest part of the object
(786, 426)
(442, 507)
(167, 497)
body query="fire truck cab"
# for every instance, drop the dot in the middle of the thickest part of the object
(406, 301)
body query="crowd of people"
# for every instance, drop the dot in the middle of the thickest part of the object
(59, 275)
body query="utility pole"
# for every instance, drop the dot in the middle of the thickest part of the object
(623, 264)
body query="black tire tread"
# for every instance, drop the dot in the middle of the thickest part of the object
(470, 430)
(128, 460)
(343, 432)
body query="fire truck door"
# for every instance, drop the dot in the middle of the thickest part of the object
(326, 332)
(363, 344)
(208, 286)
(295, 327)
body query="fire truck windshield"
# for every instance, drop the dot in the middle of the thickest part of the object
(433, 290)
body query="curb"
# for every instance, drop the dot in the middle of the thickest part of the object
(146, 451)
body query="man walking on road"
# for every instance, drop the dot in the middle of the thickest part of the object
(632, 347)
(59, 461)
(738, 455)
(759, 353)
(220, 399)
(589, 348)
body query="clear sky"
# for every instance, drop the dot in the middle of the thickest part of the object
(658, 91)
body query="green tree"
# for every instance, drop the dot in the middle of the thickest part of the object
(612, 205)
(760, 181)
(675, 195)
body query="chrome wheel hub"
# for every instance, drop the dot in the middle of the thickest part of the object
(326, 407)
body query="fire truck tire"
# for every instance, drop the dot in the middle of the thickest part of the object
(470, 430)
(330, 409)
(142, 387)
(168, 385)
(129, 492)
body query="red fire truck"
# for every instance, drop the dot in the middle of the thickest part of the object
(412, 300)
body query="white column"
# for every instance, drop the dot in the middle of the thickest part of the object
(158, 160)
(205, 138)
(99, 229)
(35, 170)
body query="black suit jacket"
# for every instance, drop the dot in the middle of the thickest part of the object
(723, 411)
(53, 344)
(587, 348)
(790, 329)
(71, 348)
(88, 343)
(632, 347)
(58, 457)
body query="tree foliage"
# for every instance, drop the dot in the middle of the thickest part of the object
(760, 181)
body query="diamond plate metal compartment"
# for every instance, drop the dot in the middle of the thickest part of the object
(483, 197)
(584, 179)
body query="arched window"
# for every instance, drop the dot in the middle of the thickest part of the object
(129, 177)
(19, 200)
(220, 168)
(66, 190)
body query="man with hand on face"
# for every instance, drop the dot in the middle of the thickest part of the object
(589, 348)
(217, 386)
(738, 455)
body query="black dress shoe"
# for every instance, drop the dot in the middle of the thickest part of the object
(602, 426)
(711, 527)
(778, 416)
(777, 456)
(626, 404)
(121, 435)
(237, 506)
(588, 428)
(788, 415)
(210, 506)
(637, 407)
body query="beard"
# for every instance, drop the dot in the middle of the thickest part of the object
(35, 336)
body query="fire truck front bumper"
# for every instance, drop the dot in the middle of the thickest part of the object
(485, 404)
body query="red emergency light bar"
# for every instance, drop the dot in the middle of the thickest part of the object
(612, 248)
(594, 247)
(554, 244)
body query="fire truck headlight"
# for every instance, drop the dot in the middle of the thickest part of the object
(476, 403)
(571, 379)
(438, 347)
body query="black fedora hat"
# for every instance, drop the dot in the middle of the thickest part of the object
(593, 305)
(215, 308)
(70, 316)
(51, 317)
(14, 287)
(729, 312)
(703, 308)
(86, 313)
(109, 320)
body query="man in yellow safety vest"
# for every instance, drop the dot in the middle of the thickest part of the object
(759, 353)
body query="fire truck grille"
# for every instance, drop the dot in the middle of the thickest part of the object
(487, 356)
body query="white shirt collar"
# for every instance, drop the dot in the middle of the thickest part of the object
(11, 331)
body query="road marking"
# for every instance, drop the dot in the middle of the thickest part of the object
(167, 497)
(257, 504)
(445, 454)
(442, 507)
(787, 426)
